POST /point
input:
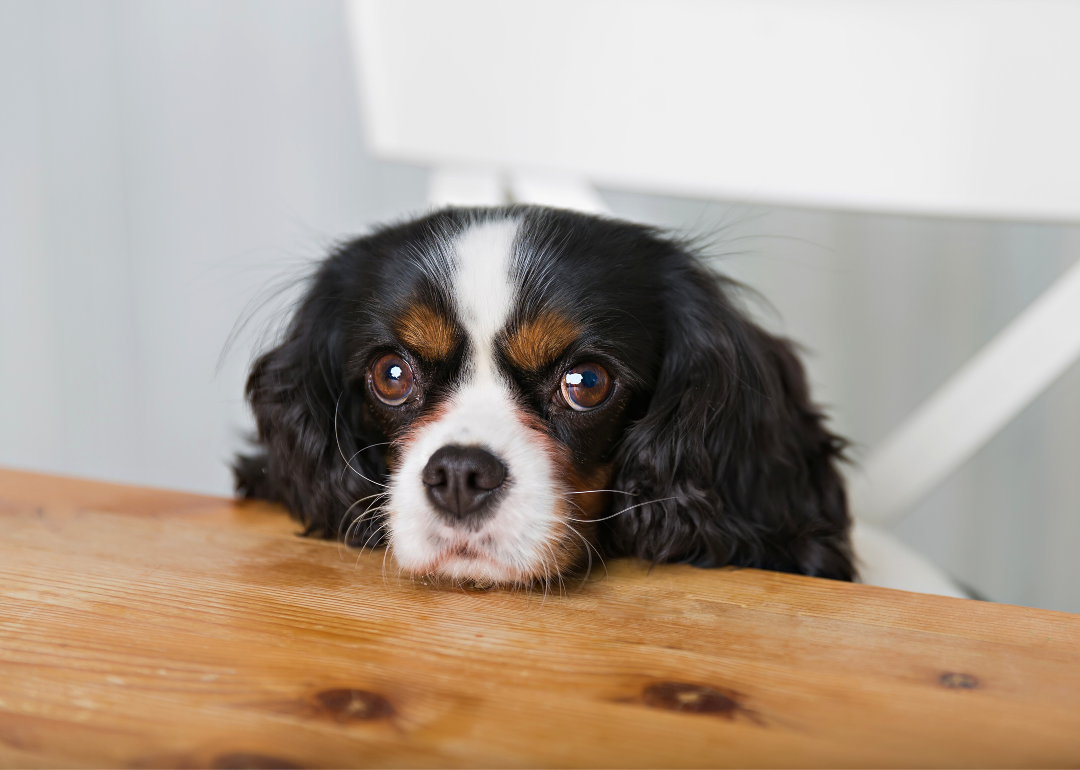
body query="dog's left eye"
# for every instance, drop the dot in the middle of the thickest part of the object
(391, 379)
(586, 386)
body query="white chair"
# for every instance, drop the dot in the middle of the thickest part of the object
(955, 108)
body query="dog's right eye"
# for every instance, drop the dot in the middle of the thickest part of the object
(391, 379)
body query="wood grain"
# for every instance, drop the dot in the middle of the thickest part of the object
(145, 628)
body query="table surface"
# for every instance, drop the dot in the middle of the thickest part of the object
(147, 628)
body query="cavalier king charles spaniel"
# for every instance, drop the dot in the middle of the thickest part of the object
(495, 394)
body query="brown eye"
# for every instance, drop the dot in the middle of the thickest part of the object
(586, 386)
(391, 379)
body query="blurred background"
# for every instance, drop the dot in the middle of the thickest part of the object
(167, 167)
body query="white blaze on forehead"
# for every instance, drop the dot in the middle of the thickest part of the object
(482, 287)
(480, 412)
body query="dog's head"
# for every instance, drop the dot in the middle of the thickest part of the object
(497, 393)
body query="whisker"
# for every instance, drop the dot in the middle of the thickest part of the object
(547, 570)
(360, 552)
(386, 552)
(558, 572)
(620, 513)
(588, 550)
(345, 515)
(591, 491)
(545, 581)
(337, 437)
(358, 451)
(355, 523)
(375, 531)
(588, 569)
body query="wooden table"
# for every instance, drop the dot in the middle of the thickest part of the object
(146, 628)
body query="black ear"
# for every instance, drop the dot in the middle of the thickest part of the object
(313, 456)
(731, 463)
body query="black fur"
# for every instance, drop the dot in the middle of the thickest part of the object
(712, 419)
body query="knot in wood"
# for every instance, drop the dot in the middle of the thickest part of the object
(694, 698)
(956, 681)
(348, 704)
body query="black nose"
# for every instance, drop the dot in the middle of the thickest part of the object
(462, 482)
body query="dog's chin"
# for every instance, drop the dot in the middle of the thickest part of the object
(454, 558)
(462, 561)
(471, 567)
(479, 570)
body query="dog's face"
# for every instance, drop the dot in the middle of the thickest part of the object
(498, 393)
(501, 364)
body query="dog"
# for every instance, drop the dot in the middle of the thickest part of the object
(497, 394)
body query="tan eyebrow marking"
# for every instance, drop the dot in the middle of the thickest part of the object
(426, 331)
(537, 342)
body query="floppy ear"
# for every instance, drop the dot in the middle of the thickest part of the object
(309, 421)
(731, 463)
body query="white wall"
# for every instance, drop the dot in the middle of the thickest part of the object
(163, 162)
(159, 162)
